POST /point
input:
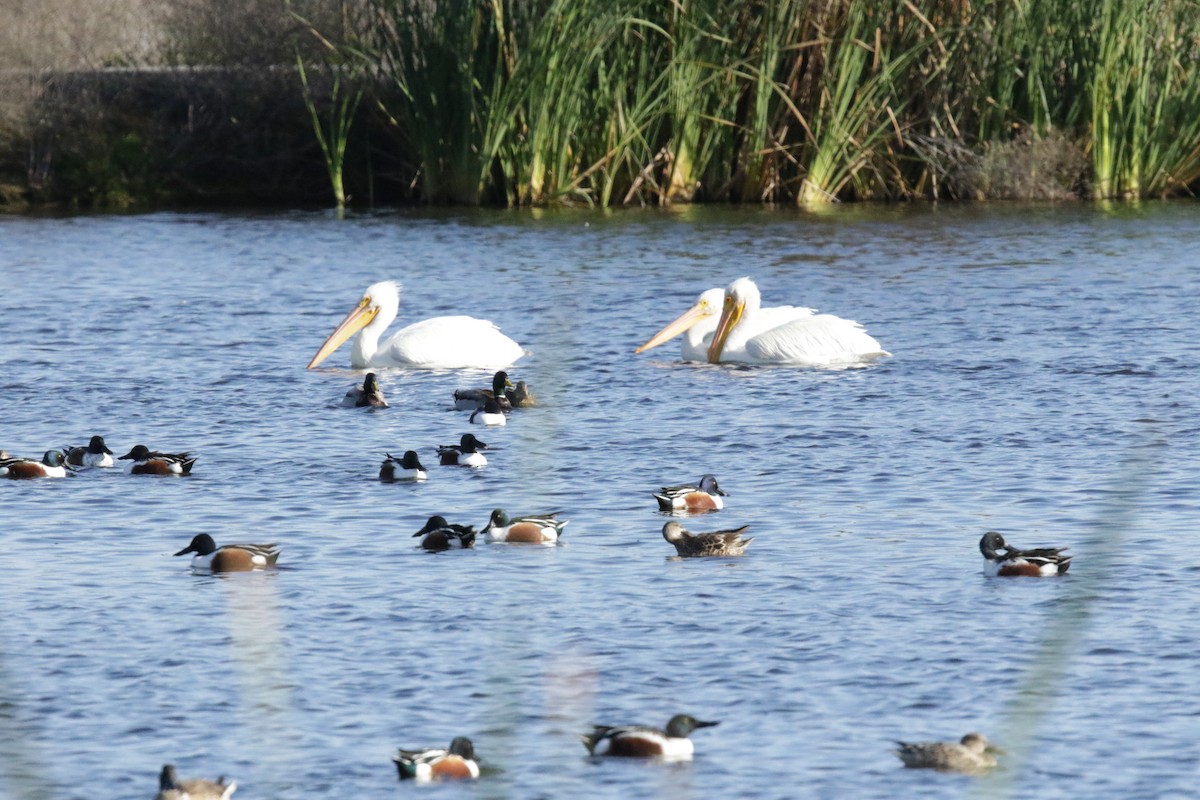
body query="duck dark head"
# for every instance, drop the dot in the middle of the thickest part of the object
(97, 445)
(991, 544)
(202, 544)
(139, 453)
(469, 444)
(681, 725)
(708, 483)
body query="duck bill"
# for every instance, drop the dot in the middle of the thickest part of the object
(680, 325)
(188, 549)
(730, 317)
(359, 318)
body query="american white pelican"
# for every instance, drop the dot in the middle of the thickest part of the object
(698, 323)
(457, 342)
(749, 334)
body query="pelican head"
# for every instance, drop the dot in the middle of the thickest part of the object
(706, 307)
(742, 298)
(372, 315)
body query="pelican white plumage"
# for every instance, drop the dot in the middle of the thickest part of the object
(697, 324)
(749, 334)
(457, 342)
(700, 321)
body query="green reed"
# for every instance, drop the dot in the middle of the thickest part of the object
(639, 101)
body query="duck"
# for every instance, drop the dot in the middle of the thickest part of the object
(171, 788)
(491, 414)
(96, 454)
(457, 762)
(716, 543)
(367, 395)
(230, 557)
(455, 342)
(520, 396)
(473, 399)
(702, 496)
(530, 529)
(52, 465)
(972, 754)
(144, 461)
(464, 454)
(407, 468)
(639, 741)
(1001, 559)
(441, 535)
(785, 335)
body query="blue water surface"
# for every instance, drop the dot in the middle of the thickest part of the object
(1043, 384)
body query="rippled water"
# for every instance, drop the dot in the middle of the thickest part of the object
(1044, 384)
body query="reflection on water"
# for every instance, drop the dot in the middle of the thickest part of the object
(1037, 350)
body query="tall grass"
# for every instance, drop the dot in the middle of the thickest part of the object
(606, 102)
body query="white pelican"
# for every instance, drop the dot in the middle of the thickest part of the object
(457, 342)
(749, 334)
(698, 322)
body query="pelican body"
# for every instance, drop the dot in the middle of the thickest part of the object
(785, 335)
(457, 342)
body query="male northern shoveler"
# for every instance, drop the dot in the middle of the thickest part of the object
(520, 396)
(473, 399)
(638, 741)
(704, 496)
(145, 461)
(52, 465)
(369, 394)
(1000, 559)
(96, 454)
(716, 543)
(171, 788)
(531, 529)
(456, 763)
(974, 754)
(441, 535)
(230, 557)
(408, 468)
(491, 414)
(465, 453)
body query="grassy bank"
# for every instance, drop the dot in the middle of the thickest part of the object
(610, 102)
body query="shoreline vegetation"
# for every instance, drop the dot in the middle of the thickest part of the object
(595, 102)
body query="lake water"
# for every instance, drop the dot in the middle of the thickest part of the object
(1044, 384)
